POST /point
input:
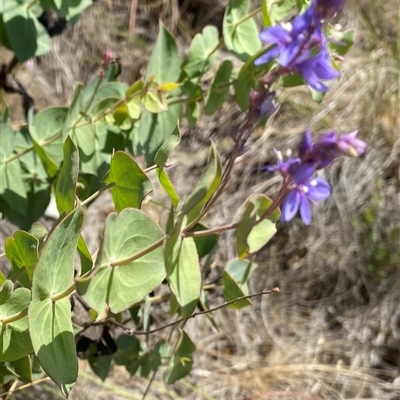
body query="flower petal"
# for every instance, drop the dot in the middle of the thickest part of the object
(322, 65)
(311, 78)
(305, 145)
(303, 173)
(290, 206)
(305, 210)
(268, 56)
(275, 34)
(301, 23)
(288, 53)
(318, 189)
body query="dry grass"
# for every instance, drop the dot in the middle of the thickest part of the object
(334, 330)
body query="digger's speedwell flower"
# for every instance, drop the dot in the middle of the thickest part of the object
(301, 47)
(302, 186)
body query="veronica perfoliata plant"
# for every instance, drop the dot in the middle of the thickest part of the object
(110, 138)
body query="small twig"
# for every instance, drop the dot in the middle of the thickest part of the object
(132, 19)
(12, 389)
(28, 385)
(150, 169)
(225, 304)
(207, 232)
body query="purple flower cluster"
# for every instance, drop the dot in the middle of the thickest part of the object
(299, 173)
(301, 47)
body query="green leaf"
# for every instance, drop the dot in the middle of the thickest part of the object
(131, 183)
(82, 131)
(291, 80)
(54, 271)
(118, 288)
(14, 337)
(192, 112)
(234, 285)
(166, 184)
(166, 149)
(39, 231)
(53, 341)
(164, 66)
(12, 188)
(247, 80)
(183, 271)
(26, 36)
(6, 374)
(202, 52)
(149, 361)
(279, 10)
(22, 252)
(164, 61)
(97, 92)
(180, 364)
(265, 14)
(73, 9)
(45, 130)
(67, 178)
(128, 351)
(154, 100)
(154, 130)
(204, 244)
(49, 313)
(85, 257)
(219, 89)
(240, 32)
(341, 42)
(101, 365)
(317, 96)
(34, 172)
(251, 237)
(23, 367)
(3, 36)
(206, 186)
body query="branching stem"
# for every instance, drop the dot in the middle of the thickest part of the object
(225, 304)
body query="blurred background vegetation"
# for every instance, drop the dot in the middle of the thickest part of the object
(334, 330)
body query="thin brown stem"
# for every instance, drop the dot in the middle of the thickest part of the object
(225, 304)
(28, 385)
(218, 229)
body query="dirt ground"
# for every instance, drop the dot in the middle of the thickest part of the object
(333, 332)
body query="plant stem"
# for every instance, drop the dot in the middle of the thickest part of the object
(28, 150)
(218, 229)
(65, 293)
(95, 194)
(28, 385)
(139, 254)
(225, 304)
(248, 16)
(15, 317)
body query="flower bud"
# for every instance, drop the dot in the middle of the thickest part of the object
(326, 9)
(350, 145)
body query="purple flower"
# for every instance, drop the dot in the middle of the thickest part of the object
(350, 145)
(287, 167)
(328, 147)
(300, 49)
(289, 44)
(305, 189)
(318, 68)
